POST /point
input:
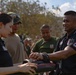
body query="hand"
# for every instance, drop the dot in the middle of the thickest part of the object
(36, 56)
(28, 68)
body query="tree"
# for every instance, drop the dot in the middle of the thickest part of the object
(3, 4)
(33, 16)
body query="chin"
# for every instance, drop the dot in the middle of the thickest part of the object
(46, 39)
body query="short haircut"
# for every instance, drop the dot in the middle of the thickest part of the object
(44, 26)
(72, 13)
(5, 18)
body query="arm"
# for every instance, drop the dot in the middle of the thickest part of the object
(8, 70)
(17, 64)
(26, 68)
(63, 54)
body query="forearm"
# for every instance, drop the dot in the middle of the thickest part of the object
(17, 64)
(63, 54)
(9, 70)
(57, 56)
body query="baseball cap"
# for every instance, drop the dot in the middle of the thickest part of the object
(16, 17)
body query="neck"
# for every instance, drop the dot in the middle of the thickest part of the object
(69, 32)
(11, 34)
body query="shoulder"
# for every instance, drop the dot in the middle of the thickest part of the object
(54, 39)
(17, 36)
(40, 40)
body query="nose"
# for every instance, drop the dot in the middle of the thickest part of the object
(63, 24)
(16, 25)
(45, 34)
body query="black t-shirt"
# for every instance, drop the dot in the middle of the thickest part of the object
(68, 65)
(5, 58)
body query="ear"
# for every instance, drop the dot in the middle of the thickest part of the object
(1, 24)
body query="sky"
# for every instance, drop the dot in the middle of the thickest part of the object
(64, 5)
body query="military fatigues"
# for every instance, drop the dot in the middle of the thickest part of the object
(45, 46)
(68, 66)
(5, 59)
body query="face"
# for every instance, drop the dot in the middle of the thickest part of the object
(68, 23)
(15, 28)
(6, 29)
(45, 33)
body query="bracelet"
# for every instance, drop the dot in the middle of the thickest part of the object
(46, 58)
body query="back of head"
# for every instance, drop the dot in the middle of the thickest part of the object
(5, 18)
(16, 17)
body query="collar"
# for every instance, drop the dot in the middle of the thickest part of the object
(71, 34)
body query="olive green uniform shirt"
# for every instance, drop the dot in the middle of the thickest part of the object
(45, 46)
